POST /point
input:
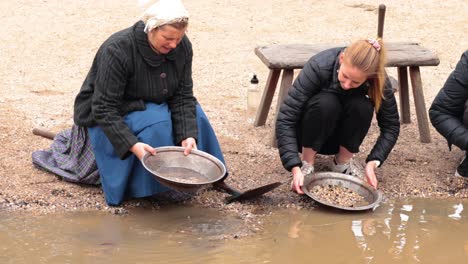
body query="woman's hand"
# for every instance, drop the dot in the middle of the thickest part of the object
(189, 144)
(140, 149)
(370, 173)
(298, 180)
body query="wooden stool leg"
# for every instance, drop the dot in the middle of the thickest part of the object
(265, 103)
(404, 95)
(420, 105)
(286, 82)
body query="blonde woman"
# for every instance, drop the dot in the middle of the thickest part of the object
(329, 110)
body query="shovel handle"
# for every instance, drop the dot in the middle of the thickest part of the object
(43, 133)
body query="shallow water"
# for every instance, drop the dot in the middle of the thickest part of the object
(410, 231)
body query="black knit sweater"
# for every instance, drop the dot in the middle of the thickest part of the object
(124, 75)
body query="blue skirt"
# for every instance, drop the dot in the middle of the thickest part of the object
(126, 179)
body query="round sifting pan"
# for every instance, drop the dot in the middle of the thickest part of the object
(371, 197)
(183, 173)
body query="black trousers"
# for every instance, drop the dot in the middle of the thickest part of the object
(331, 120)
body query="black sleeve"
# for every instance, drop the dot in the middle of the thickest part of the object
(388, 120)
(446, 111)
(183, 103)
(111, 79)
(304, 87)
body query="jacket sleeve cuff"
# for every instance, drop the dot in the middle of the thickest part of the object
(290, 166)
(123, 151)
(377, 162)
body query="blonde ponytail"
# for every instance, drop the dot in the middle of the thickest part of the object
(370, 57)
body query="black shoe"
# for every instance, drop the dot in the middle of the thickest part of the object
(462, 169)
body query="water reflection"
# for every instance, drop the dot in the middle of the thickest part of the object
(458, 209)
(404, 233)
(173, 235)
(395, 232)
(409, 231)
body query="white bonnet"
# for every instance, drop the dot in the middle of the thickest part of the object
(162, 12)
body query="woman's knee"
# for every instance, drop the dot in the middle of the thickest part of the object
(325, 106)
(360, 107)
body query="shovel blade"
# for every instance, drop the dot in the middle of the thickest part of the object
(253, 193)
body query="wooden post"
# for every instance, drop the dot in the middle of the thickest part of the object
(404, 95)
(420, 105)
(380, 25)
(268, 93)
(286, 82)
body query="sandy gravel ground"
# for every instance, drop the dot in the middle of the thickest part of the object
(47, 47)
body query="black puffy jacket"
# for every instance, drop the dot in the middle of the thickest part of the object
(320, 73)
(446, 111)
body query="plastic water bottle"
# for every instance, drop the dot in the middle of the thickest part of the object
(253, 95)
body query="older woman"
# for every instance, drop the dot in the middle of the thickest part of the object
(138, 95)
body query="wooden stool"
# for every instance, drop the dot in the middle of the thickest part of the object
(403, 55)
